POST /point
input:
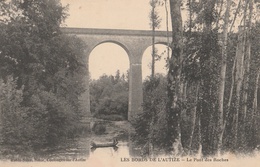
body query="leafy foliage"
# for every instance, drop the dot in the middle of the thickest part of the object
(12, 113)
(150, 125)
(109, 97)
(99, 128)
(41, 106)
(213, 83)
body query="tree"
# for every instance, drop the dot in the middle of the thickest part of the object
(154, 23)
(109, 97)
(167, 27)
(150, 124)
(48, 67)
(246, 72)
(174, 88)
(12, 114)
(215, 61)
(253, 136)
(221, 125)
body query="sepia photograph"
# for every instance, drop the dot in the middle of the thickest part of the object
(111, 83)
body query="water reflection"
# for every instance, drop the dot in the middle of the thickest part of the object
(121, 150)
(125, 148)
(94, 148)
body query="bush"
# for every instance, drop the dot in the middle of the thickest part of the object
(12, 114)
(41, 108)
(150, 124)
(99, 128)
(45, 122)
(109, 96)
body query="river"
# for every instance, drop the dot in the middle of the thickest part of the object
(80, 148)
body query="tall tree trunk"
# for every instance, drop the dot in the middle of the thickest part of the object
(240, 70)
(223, 77)
(246, 74)
(234, 64)
(232, 100)
(155, 23)
(174, 76)
(219, 13)
(232, 86)
(255, 92)
(238, 81)
(167, 28)
(207, 98)
(153, 43)
(194, 118)
(236, 13)
(255, 115)
(190, 17)
(184, 123)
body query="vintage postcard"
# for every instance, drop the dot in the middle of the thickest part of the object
(111, 83)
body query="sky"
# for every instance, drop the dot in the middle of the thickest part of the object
(114, 14)
(111, 14)
(108, 58)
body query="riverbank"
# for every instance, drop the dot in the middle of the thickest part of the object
(77, 148)
(119, 130)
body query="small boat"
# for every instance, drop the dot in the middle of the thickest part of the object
(109, 144)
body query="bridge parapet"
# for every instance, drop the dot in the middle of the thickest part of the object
(123, 32)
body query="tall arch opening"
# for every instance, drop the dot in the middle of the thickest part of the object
(108, 82)
(155, 87)
(160, 63)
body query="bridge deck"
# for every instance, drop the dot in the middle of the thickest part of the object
(122, 32)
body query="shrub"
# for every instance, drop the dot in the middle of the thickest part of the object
(12, 114)
(150, 124)
(109, 96)
(99, 128)
(44, 122)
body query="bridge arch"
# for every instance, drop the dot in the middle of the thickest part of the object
(160, 65)
(104, 60)
(107, 57)
(114, 42)
(134, 42)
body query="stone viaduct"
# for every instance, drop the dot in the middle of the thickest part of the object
(134, 42)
